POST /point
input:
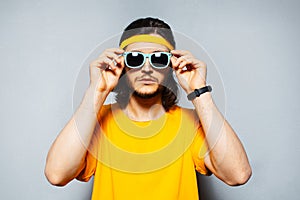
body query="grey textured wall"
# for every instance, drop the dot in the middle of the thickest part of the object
(254, 44)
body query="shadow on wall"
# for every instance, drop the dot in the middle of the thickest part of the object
(205, 188)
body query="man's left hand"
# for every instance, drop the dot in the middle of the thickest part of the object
(190, 72)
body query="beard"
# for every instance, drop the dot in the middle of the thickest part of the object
(148, 95)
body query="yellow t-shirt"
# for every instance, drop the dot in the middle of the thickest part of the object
(153, 160)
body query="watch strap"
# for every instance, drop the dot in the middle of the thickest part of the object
(198, 92)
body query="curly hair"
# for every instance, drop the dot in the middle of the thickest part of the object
(169, 87)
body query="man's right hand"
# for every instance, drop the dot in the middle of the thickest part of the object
(106, 70)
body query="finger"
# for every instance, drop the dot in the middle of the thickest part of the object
(97, 64)
(180, 52)
(115, 69)
(119, 59)
(179, 71)
(173, 61)
(111, 65)
(187, 57)
(114, 57)
(103, 64)
(182, 65)
(121, 63)
(180, 60)
(117, 65)
(115, 50)
(110, 52)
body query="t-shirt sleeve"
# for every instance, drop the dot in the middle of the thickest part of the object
(89, 169)
(199, 150)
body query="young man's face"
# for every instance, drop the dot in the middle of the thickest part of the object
(146, 81)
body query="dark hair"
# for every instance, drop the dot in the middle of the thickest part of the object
(169, 88)
(147, 26)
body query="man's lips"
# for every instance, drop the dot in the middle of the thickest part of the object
(147, 80)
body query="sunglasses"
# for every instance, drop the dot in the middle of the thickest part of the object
(158, 60)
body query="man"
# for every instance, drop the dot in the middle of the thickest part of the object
(145, 146)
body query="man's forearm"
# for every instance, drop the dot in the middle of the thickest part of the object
(67, 155)
(227, 158)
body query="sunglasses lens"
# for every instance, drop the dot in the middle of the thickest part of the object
(134, 59)
(160, 60)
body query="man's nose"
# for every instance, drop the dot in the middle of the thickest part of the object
(147, 66)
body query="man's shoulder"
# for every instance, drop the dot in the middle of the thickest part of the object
(179, 109)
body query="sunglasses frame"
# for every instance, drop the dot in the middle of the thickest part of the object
(147, 55)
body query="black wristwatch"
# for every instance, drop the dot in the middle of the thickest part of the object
(198, 92)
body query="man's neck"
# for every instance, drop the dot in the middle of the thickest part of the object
(144, 109)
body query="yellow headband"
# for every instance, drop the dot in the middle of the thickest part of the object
(146, 38)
